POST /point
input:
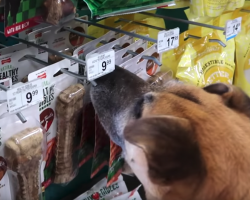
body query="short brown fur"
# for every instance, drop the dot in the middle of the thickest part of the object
(196, 141)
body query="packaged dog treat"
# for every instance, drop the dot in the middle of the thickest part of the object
(7, 83)
(143, 30)
(133, 195)
(88, 130)
(21, 154)
(101, 152)
(24, 34)
(242, 42)
(14, 65)
(102, 192)
(143, 67)
(122, 55)
(54, 11)
(13, 48)
(116, 163)
(54, 83)
(40, 36)
(69, 106)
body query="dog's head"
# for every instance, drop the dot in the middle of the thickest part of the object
(182, 142)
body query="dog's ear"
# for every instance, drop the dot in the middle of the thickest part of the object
(233, 96)
(169, 145)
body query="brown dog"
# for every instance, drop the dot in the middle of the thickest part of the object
(182, 142)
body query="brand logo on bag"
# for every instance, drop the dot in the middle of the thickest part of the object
(44, 75)
(6, 61)
(80, 52)
(38, 35)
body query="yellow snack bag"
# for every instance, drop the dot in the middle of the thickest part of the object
(143, 30)
(213, 8)
(242, 42)
(204, 62)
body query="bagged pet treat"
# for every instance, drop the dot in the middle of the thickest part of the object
(101, 191)
(14, 65)
(13, 48)
(88, 130)
(53, 84)
(54, 11)
(21, 154)
(116, 162)
(101, 152)
(69, 106)
(143, 67)
(122, 55)
(242, 42)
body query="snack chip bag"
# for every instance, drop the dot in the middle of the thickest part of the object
(242, 42)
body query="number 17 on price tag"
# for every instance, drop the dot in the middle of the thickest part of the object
(168, 40)
(100, 64)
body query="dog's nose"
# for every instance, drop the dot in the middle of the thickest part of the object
(113, 97)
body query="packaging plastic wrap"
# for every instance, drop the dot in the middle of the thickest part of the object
(53, 86)
(20, 156)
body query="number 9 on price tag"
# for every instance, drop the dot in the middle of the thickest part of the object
(168, 40)
(100, 64)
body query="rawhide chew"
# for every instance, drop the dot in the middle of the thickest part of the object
(160, 78)
(55, 10)
(23, 154)
(68, 110)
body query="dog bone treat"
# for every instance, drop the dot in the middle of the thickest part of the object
(23, 154)
(68, 110)
(55, 10)
(160, 78)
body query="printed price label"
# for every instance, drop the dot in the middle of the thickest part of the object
(233, 27)
(24, 95)
(168, 40)
(100, 64)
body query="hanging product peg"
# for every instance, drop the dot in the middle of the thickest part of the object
(184, 21)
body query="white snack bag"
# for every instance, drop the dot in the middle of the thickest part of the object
(83, 50)
(52, 88)
(15, 66)
(27, 138)
(144, 68)
(133, 195)
(122, 56)
(14, 48)
(105, 193)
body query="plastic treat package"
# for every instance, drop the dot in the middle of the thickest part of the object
(102, 192)
(52, 87)
(21, 150)
(7, 83)
(54, 11)
(242, 42)
(143, 30)
(15, 66)
(88, 130)
(69, 106)
(24, 34)
(101, 152)
(40, 36)
(204, 62)
(142, 67)
(116, 163)
(211, 8)
(195, 18)
(122, 55)
(160, 78)
(11, 49)
(133, 195)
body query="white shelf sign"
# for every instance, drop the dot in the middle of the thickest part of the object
(168, 40)
(100, 64)
(233, 27)
(24, 95)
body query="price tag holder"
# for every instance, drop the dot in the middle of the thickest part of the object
(233, 27)
(24, 95)
(100, 64)
(168, 40)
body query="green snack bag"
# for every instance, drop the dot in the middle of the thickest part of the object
(116, 163)
(101, 152)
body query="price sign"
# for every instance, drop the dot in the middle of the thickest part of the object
(233, 27)
(24, 95)
(168, 40)
(100, 64)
